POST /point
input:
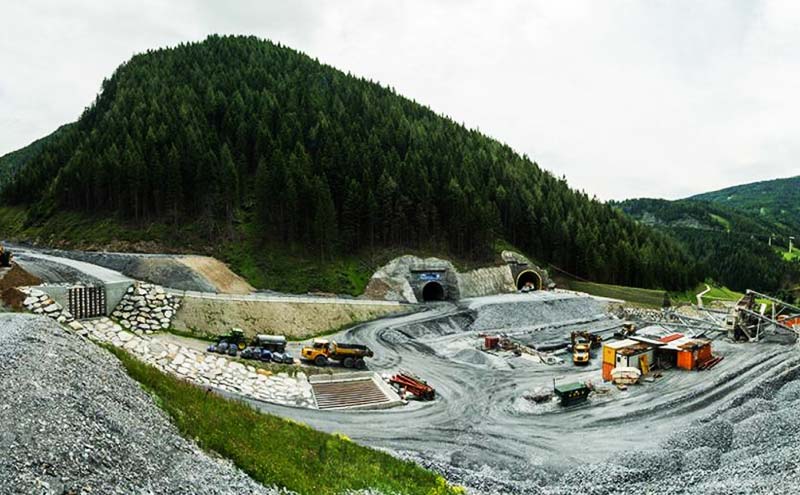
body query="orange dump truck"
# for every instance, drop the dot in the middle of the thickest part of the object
(321, 352)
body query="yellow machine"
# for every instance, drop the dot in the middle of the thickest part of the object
(582, 343)
(322, 352)
(580, 352)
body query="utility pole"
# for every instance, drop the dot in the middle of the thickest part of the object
(770, 239)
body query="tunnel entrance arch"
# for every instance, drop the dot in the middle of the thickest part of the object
(526, 277)
(433, 291)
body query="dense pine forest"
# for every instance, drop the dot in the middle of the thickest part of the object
(15, 161)
(238, 127)
(732, 245)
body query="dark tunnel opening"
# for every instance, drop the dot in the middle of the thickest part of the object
(433, 291)
(529, 280)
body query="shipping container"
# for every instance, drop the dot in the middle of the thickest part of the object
(686, 360)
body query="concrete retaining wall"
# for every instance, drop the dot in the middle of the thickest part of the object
(486, 281)
(297, 319)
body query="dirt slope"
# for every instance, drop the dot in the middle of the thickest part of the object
(218, 274)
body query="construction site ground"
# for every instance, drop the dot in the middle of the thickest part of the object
(482, 422)
(482, 431)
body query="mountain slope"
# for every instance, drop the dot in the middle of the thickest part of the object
(776, 201)
(237, 132)
(12, 163)
(732, 245)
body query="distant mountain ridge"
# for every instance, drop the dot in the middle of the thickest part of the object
(777, 201)
(729, 231)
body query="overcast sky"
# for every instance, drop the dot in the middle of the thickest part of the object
(627, 99)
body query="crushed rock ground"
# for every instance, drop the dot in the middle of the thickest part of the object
(72, 421)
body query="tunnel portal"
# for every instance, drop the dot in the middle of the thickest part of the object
(529, 278)
(433, 291)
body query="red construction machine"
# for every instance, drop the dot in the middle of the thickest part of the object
(405, 382)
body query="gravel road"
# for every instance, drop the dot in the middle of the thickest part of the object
(73, 422)
(53, 272)
(71, 266)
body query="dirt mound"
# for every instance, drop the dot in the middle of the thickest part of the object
(218, 274)
(16, 276)
(74, 422)
(13, 298)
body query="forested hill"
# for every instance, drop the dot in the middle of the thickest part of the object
(15, 161)
(234, 130)
(732, 245)
(776, 201)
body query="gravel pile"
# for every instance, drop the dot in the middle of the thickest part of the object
(146, 308)
(752, 446)
(539, 310)
(74, 422)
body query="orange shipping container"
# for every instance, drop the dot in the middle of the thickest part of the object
(686, 360)
(607, 367)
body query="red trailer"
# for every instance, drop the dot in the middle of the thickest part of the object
(491, 342)
(406, 382)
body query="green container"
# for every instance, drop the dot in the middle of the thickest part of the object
(572, 393)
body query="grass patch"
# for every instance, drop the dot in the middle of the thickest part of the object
(716, 294)
(649, 298)
(724, 222)
(793, 256)
(275, 451)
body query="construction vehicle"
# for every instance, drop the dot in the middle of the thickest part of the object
(626, 331)
(582, 343)
(275, 343)
(5, 257)
(408, 383)
(322, 352)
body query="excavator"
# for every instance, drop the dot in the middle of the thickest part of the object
(5, 257)
(582, 344)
